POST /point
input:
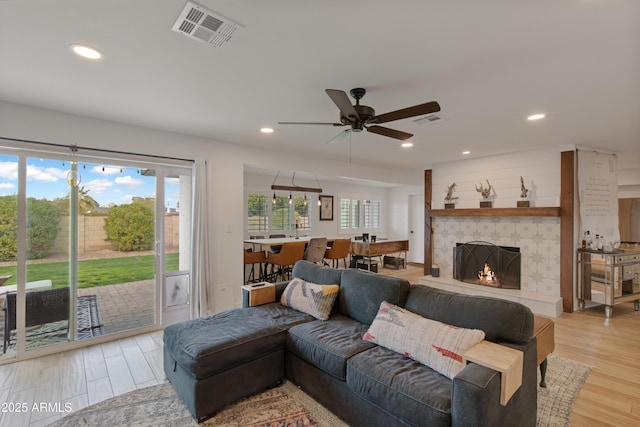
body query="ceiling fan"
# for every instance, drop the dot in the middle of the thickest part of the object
(361, 117)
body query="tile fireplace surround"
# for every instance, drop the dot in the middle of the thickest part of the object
(539, 242)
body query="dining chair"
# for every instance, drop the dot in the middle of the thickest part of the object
(290, 253)
(338, 251)
(252, 258)
(276, 248)
(315, 249)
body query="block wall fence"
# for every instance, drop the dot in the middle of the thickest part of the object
(92, 237)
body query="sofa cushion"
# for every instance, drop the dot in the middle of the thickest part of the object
(501, 320)
(311, 298)
(361, 293)
(312, 272)
(435, 344)
(408, 389)
(328, 345)
(212, 344)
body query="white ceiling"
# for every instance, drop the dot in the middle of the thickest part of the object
(488, 63)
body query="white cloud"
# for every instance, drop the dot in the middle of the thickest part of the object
(98, 186)
(9, 170)
(7, 186)
(129, 181)
(40, 174)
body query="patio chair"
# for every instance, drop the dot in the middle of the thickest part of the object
(42, 307)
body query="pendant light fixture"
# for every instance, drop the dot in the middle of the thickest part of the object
(294, 187)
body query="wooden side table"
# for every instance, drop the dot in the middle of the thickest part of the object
(506, 360)
(259, 293)
(543, 330)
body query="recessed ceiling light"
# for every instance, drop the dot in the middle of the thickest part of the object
(466, 152)
(86, 51)
(266, 130)
(407, 144)
(536, 117)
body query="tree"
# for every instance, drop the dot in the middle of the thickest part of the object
(86, 203)
(130, 227)
(43, 225)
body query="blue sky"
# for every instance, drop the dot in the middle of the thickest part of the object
(47, 179)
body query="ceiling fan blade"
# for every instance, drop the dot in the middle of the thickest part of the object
(339, 137)
(391, 133)
(416, 110)
(342, 101)
(310, 123)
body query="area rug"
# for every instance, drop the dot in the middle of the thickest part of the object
(289, 406)
(89, 325)
(564, 379)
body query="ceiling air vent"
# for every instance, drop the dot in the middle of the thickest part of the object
(198, 23)
(429, 120)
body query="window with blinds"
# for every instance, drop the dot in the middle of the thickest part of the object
(281, 214)
(257, 213)
(372, 214)
(302, 212)
(356, 215)
(265, 215)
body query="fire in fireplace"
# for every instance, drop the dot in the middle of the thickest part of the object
(483, 263)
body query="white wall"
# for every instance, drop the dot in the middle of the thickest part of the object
(539, 169)
(226, 165)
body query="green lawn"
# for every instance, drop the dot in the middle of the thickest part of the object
(95, 272)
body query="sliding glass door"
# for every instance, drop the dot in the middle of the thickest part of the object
(50, 298)
(86, 246)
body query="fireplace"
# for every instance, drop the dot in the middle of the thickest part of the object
(483, 263)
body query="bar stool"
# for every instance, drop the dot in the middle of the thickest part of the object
(290, 253)
(338, 251)
(253, 258)
(276, 248)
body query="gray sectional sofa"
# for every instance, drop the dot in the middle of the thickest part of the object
(217, 360)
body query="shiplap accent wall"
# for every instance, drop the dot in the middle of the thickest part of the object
(537, 237)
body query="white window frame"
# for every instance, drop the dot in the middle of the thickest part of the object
(365, 214)
(293, 220)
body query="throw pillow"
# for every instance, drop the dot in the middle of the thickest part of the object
(311, 298)
(432, 343)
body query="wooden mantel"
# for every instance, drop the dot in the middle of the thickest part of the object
(498, 212)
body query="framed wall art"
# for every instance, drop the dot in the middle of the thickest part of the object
(326, 208)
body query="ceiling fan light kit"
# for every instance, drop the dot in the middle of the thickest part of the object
(362, 117)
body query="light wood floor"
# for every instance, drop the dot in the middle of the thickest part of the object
(77, 378)
(610, 397)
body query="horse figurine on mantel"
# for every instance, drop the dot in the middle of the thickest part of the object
(449, 198)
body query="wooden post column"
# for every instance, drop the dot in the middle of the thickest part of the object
(567, 253)
(428, 231)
